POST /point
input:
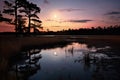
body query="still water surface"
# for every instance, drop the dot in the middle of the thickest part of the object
(73, 61)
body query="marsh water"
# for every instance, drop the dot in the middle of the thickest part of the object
(75, 60)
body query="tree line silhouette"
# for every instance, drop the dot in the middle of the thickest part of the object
(110, 30)
(21, 12)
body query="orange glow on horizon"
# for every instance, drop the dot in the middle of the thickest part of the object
(6, 27)
(58, 26)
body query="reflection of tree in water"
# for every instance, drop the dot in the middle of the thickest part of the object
(86, 59)
(29, 66)
(106, 66)
(107, 69)
(69, 51)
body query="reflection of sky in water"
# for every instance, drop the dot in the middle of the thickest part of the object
(67, 63)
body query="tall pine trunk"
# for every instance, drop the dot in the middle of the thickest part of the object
(16, 27)
(29, 25)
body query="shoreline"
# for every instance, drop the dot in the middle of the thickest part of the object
(11, 44)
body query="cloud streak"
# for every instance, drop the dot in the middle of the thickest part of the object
(80, 21)
(73, 21)
(113, 13)
(113, 16)
(46, 2)
(59, 21)
(50, 20)
(69, 10)
(55, 26)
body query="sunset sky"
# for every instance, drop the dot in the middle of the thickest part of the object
(64, 14)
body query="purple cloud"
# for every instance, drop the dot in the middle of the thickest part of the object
(69, 10)
(74, 21)
(80, 21)
(46, 2)
(113, 13)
